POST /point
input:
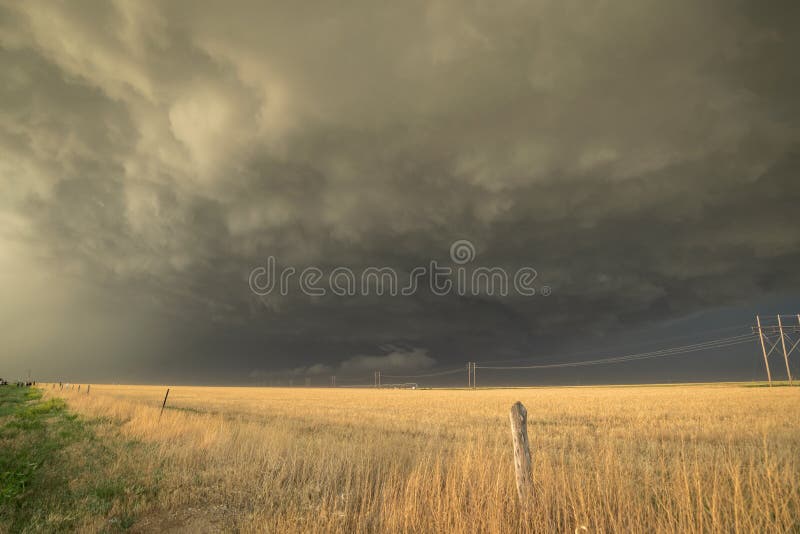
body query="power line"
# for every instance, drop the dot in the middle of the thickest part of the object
(441, 373)
(674, 351)
(644, 355)
(759, 332)
(630, 345)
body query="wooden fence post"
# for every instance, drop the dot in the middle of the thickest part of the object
(88, 388)
(522, 452)
(163, 404)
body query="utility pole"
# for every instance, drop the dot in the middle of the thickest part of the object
(474, 375)
(783, 345)
(469, 375)
(763, 349)
(333, 381)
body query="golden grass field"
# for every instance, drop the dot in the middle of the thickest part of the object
(702, 458)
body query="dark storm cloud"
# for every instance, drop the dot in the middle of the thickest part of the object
(642, 156)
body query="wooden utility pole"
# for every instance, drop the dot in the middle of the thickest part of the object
(469, 375)
(163, 404)
(474, 375)
(763, 349)
(785, 354)
(522, 453)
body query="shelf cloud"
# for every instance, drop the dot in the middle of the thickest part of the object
(642, 156)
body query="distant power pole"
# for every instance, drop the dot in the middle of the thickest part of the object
(783, 346)
(333, 381)
(469, 375)
(763, 348)
(377, 379)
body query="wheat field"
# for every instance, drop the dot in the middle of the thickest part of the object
(700, 458)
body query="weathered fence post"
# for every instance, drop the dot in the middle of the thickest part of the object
(88, 388)
(163, 404)
(522, 452)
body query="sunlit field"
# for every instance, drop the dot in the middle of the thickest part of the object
(615, 459)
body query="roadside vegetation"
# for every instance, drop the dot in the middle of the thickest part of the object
(62, 473)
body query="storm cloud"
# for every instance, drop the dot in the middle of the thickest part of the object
(642, 156)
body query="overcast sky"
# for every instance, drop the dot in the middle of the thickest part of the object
(641, 155)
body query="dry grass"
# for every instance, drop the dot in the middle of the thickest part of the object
(644, 459)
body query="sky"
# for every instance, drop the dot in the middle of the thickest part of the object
(640, 157)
